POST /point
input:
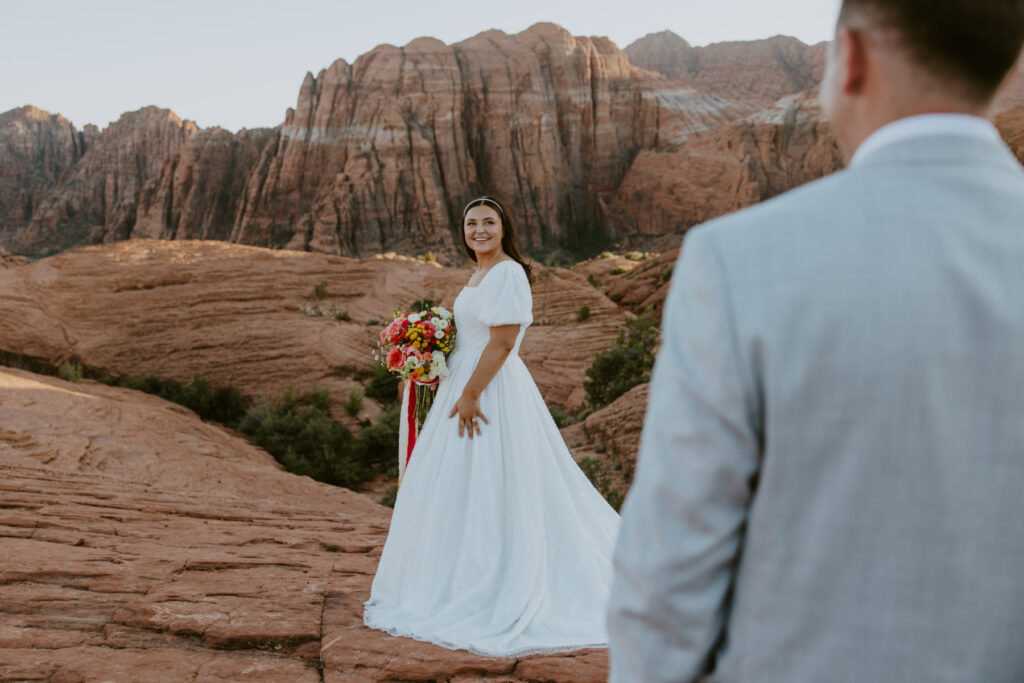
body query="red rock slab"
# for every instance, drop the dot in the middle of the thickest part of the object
(110, 577)
(235, 314)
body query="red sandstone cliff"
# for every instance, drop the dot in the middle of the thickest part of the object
(382, 153)
(587, 142)
(755, 70)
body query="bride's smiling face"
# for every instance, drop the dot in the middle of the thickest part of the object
(483, 229)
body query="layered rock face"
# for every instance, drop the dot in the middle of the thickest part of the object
(37, 149)
(586, 142)
(236, 314)
(98, 198)
(757, 70)
(729, 168)
(385, 152)
(143, 544)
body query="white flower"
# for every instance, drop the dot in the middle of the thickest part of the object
(439, 334)
(438, 368)
(414, 317)
(441, 311)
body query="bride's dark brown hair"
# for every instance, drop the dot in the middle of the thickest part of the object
(508, 231)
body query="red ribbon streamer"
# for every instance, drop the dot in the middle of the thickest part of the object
(412, 421)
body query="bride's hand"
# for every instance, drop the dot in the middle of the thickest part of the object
(468, 409)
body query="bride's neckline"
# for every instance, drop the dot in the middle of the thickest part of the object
(488, 273)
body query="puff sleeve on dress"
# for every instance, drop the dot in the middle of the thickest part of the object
(505, 297)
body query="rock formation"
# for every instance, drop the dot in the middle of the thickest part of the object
(37, 149)
(729, 168)
(382, 154)
(761, 71)
(141, 543)
(1011, 125)
(236, 314)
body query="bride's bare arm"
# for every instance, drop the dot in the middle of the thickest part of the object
(503, 338)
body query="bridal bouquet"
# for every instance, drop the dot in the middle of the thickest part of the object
(414, 346)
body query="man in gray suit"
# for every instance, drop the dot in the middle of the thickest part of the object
(830, 484)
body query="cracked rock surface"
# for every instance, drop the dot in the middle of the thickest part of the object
(142, 544)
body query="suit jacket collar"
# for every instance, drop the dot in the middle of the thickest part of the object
(941, 149)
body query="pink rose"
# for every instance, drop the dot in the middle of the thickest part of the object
(395, 358)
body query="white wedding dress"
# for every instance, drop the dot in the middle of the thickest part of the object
(499, 544)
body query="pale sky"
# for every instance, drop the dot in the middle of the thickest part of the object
(235, 63)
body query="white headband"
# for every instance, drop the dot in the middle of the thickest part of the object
(489, 201)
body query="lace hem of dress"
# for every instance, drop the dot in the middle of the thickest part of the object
(522, 652)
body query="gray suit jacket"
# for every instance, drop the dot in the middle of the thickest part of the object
(830, 484)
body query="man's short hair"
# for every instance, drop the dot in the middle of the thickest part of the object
(973, 42)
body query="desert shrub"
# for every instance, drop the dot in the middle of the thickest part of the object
(605, 254)
(380, 442)
(592, 279)
(619, 270)
(226, 405)
(354, 402)
(666, 274)
(561, 416)
(342, 316)
(383, 386)
(300, 434)
(429, 257)
(623, 365)
(635, 255)
(583, 313)
(598, 476)
(70, 371)
(321, 289)
(390, 496)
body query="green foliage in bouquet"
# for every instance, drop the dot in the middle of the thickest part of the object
(627, 363)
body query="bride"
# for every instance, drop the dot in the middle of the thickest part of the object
(498, 544)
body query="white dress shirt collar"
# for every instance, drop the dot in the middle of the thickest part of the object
(924, 125)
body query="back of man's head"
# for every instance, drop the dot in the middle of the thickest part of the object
(971, 44)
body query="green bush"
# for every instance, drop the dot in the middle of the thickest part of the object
(635, 256)
(342, 316)
(380, 442)
(70, 371)
(300, 434)
(383, 386)
(666, 274)
(599, 477)
(561, 416)
(619, 270)
(390, 496)
(226, 405)
(625, 364)
(605, 254)
(583, 313)
(592, 279)
(321, 289)
(354, 402)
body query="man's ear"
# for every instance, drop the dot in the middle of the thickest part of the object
(854, 58)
